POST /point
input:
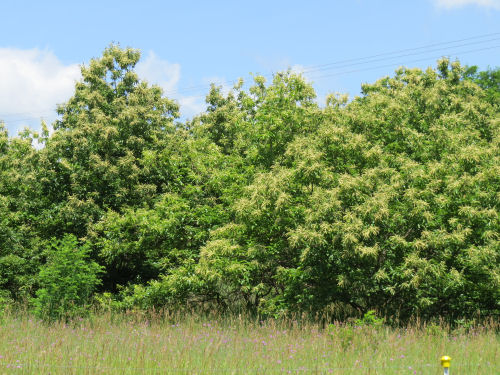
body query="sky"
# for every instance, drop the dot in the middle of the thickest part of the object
(186, 45)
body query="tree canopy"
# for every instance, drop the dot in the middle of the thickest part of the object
(266, 201)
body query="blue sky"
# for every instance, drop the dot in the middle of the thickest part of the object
(193, 43)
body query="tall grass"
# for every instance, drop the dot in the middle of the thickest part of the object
(175, 344)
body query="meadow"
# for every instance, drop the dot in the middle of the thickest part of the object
(175, 344)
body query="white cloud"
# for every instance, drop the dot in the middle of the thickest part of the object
(298, 69)
(449, 4)
(167, 75)
(191, 105)
(32, 83)
(226, 86)
(307, 73)
(159, 72)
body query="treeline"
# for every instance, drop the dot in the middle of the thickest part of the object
(265, 203)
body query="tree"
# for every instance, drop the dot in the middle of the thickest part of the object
(265, 202)
(488, 80)
(253, 131)
(94, 159)
(19, 255)
(391, 205)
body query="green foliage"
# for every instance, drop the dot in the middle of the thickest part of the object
(18, 247)
(369, 319)
(260, 123)
(266, 202)
(140, 244)
(4, 303)
(94, 159)
(391, 204)
(489, 80)
(67, 280)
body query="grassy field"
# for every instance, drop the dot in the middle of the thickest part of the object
(127, 344)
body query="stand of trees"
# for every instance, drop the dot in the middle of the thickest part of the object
(266, 202)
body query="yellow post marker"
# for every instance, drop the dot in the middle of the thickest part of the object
(445, 362)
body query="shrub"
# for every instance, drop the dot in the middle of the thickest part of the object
(67, 280)
(4, 302)
(370, 319)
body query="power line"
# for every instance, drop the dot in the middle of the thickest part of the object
(306, 71)
(434, 57)
(449, 45)
(358, 59)
(29, 112)
(398, 56)
(411, 49)
(35, 116)
(408, 62)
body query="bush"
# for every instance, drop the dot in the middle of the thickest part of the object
(370, 319)
(4, 302)
(67, 280)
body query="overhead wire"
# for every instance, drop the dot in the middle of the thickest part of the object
(410, 49)
(399, 56)
(409, 62)
(35, 115)
(346, 63)
(394, 64)
(357, 61)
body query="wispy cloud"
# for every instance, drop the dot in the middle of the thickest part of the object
(219, 81)
(167, 75)
(32, 83)
(159, 71)
(191, 105)
(449, 4)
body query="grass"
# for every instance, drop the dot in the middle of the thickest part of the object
(130, 344)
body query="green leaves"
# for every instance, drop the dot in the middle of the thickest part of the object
(67, 281)
(266, 201)
(376, 208)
